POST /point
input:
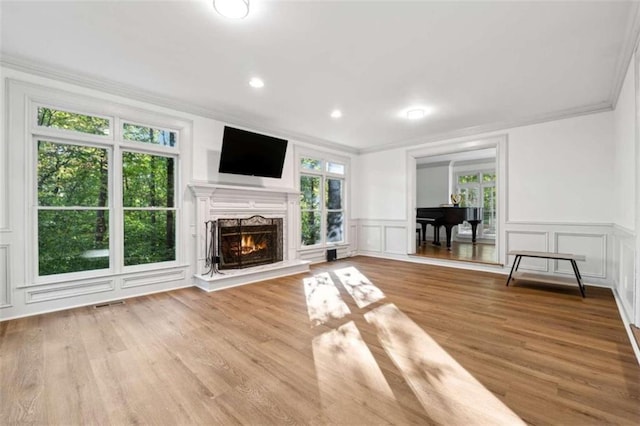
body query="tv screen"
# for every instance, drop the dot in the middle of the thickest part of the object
(251, 154)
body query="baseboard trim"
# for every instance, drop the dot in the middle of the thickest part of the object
(627, 325)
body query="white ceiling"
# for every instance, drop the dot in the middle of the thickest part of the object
(479, 65)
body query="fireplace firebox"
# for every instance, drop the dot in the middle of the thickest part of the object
(253, 241)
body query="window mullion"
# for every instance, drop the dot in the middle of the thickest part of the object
(117, 237)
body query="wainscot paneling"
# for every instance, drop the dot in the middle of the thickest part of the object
(382, 238)
(532, 241)
(152, 278)
(316, 255)
(624, 269)
(5, 286)
(395, 239)
(42, 294)
(593, 240)
(4, 184)
(592, 246)
(371, 238)
(353, 237)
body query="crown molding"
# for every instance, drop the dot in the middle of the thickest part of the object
(631, 40)
(112, 87)
(494, 127)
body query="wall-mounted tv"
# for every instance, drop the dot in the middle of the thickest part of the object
(251, 154)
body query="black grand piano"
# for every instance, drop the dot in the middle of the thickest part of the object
(448, 217)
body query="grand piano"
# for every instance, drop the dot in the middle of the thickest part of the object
(448, 217)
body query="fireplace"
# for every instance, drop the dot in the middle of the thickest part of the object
(243, 243)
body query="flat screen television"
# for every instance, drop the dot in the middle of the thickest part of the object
(251, 154)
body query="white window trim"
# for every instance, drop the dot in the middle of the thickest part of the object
(38, 96)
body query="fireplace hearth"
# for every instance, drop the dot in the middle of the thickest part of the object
(248, 242)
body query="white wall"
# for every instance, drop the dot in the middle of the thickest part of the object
(559, 191)
(381, 186)
(624, 187)
(432, 185)
(557, 171)
(562, 171)
(207, 144)
(625, 198)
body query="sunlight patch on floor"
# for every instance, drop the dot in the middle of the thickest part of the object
(323, 299)
(349, 376)
(363, 292)
(448, 393)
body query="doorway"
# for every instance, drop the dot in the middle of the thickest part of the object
(475, 172)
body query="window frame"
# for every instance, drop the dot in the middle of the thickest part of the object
(115, 146)
(324, 158)
(465, 232)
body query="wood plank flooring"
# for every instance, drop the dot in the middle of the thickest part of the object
(416, 344)
(460, 250)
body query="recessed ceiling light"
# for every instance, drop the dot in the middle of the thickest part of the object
(256, 82)
(234, 9)
(416, 113)
(336, 113)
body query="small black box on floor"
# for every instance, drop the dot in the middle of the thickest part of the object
(332, 254)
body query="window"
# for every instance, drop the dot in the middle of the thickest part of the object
(79, 163)
(478, 189)
(73, 213)
(148, 208)
(322, 194)
(65, 120)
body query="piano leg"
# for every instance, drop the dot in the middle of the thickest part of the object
(448, 228)
(424, 231)
(436, 235)
(474, 228)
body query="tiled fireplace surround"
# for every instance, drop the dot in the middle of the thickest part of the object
(216, 201)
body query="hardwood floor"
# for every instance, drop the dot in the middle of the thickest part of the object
(403, 344)
(467, 252)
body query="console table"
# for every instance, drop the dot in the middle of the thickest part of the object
(572, 258)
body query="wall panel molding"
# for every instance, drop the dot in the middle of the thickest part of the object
(595, 262)
(394, 239)
(381, 237)
(152, 278)
(68, 291)
(371, 238)
(4, 162)
(526, 240)
(5, 276)
(623, 268)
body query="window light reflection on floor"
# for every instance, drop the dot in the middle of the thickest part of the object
(359, 287)
(349, 376)
(448, 392)
(323, 299)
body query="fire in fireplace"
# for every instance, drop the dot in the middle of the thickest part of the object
(249, 242)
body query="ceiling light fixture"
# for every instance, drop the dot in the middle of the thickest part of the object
(416, 114)
(336, 113)
(234, 9)
(256, 83)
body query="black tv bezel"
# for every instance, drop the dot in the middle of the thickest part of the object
(229, 157)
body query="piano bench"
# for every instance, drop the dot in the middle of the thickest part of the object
(418, 230)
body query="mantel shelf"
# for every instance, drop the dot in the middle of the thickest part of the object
(203, 189)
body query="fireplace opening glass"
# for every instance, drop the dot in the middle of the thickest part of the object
(253, 241)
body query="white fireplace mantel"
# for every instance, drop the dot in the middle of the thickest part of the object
(216, 200)
(206, 189)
